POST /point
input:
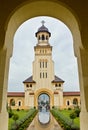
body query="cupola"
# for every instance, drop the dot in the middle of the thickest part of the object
(43, 34)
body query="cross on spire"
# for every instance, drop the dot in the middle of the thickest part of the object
(42, 22)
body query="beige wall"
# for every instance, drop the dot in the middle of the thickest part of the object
(16, 99)
(70, 99)
(54, 98)
(73, 13)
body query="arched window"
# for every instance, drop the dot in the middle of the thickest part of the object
(40, 64)
(40, 75)
(59, 85)
(19, 103)
(46, 64)
(56, 85)
(43, 64)
(75, 101)
(43, 37)
(46, 37)
(67, 102)
(30, 85)
(46, 74)
(39, 37)
(27, 85)
(43, 74)
(12, 102)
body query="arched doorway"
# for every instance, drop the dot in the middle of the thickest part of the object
(49, 95)
(12, 102)
(75, 102)
(43, 102)
(25, 12)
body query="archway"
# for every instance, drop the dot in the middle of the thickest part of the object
(25, 12)
(12, 102)
(75, 102)
(43, 102)
(46, 92)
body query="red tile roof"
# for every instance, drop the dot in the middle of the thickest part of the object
(71, 93)
(15, 94)
(22, 94)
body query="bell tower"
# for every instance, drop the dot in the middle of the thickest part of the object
(43, 66)
(43, 35)
(43, 80)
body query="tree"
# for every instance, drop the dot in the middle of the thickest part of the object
(77, 111)
(73, 116)
(15, 118)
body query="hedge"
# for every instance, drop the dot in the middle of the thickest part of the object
(23, 123)
(65, 122)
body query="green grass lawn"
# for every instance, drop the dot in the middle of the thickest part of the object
(21, 114)
(66, 113)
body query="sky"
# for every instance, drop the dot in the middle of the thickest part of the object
(65, 63)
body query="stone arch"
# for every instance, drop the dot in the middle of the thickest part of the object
(43, 101)
(60, 12)
(29, 10)
(75, 101)
(46, 91)
(12, 102)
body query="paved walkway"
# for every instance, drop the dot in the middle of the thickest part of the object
(52, 125)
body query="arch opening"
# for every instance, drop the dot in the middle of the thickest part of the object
(23, 14)
(53, 41)
(43, 102)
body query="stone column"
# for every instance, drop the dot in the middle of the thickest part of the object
(4, 68)
(83, 76)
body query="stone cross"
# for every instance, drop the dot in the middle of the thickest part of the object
(42, 22)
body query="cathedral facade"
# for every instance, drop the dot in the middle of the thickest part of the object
(43, 81)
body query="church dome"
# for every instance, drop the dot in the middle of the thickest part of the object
(43, 29)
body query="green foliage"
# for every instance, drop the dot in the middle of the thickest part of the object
(10, 114)
(13, 103)
(69, 108)
(73, 115)
(18, 109)
(64, 120)
(77, 111)
(23, 122)
(21, 114)
(15, 117)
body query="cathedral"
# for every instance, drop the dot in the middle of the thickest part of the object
(43, 85)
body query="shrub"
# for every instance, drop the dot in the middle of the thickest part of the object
(65, 122)
(69, 108)
(23, 123)
(53, 107)
(10, 114)
(15, 117)
(18, 109)
(77, 111)
(73, 115)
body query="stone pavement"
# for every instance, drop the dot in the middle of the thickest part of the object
(52, 125)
